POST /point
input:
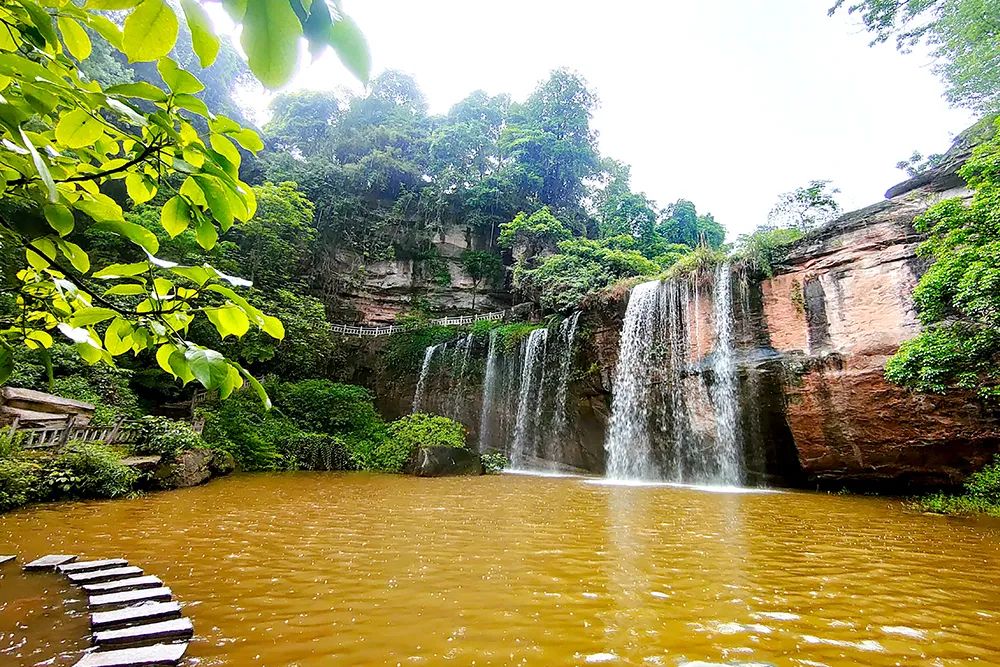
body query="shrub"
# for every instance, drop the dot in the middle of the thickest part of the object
(18, 483)
(982, 495)
(762, 249)
(329, 407)
(493, 462)
(106, 388)
(511, 335)
(159, 435)
(427, 430)
(317, 451)
(404, 352)
(241, 426)
(88, 470)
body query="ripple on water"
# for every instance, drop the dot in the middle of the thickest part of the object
(354, 569)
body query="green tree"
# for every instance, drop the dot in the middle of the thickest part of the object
(67, 139)
(958, 298)
(962, 35)
(806, 207)
(481, 265)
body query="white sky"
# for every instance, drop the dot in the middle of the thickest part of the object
(723, 102)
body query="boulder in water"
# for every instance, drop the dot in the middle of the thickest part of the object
(444, 461)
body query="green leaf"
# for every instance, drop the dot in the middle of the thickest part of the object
(6, 363)
(208, 366)
(75, 37)
(205, 233)
(177, 79)
(41, 20)
(218, 201)
(75, 254)
(38, 339)
(133, 232)
(175, 215)
(273, 327)
(118, 337)
(270, 38)
(196, 274)
(139, 188)
(229, 320)
(150, 31)
(122, 270)
(163, 357)
(78, 128)
(107, 29)
(100, 207)
(60, 218)
(141, 89)
(203, 39)
(192, 104)
(125, 289)
(112, 4)
(41, 168)
(87, 316)
(317, 27)
(233, 381)
(249, 140)
(352, 49)
(226, 149)
(257, 387)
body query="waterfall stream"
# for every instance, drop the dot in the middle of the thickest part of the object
(567, 336)
(532, 378)
(487, 413)
(418, 396)
(670, 420)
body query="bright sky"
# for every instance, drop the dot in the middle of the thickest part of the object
(724, 102)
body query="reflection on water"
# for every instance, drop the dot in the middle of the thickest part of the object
(354, 569)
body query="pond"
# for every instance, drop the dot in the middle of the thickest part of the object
(357, 569)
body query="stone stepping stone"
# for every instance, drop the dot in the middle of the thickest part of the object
(6, 559)
(146, 656)
(180, 628)
(50, 562)
(130, 584)
(142, 613)
(91, 565)
(98, 576)
(126, 598)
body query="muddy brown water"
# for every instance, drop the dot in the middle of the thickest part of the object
(356, 569)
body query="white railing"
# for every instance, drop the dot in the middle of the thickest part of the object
(58, 432)
(354, 330)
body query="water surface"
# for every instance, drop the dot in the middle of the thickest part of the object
(355, 569)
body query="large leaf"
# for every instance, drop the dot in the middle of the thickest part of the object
(78, 128)
(88, 316)
(175, 215)
(229, 320)
(141, 89)
(118, 337)
(270, 38)
(203, 38)
(60, 218)
(352, 49)
(75, 37)
(150, 31)
(133, 232)
(208, 366)
(6, 363)
(41, 168)
(177, 79)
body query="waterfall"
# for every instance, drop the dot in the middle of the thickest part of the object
(629, 452)
(489, 412)
(725, 397)
(457, 392)
(418, 396)
(532, 377)
(668, 420)
(567, 336)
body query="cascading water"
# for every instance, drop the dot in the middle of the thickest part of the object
(567, 336)
(629, 451)
(488, 411)
(532, 375)
(725, 397)
(668, 421)
(457, 391)
(418, 396)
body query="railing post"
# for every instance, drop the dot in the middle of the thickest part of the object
(69, 427)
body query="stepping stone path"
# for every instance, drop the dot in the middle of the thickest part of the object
(134, 620)
(6, 559)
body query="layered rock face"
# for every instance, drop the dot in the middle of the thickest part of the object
(837, 310)
(377, 293)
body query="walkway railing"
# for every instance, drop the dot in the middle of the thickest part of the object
(57, 433)
(354, 330)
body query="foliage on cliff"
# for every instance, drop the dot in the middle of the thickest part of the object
(958, 298)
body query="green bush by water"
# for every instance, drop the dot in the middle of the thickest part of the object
(166, 437)
(87, 470)
(982, 495)
(494, 462)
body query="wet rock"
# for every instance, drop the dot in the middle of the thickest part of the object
(189, 468)
(222, 463)
(444, 461)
